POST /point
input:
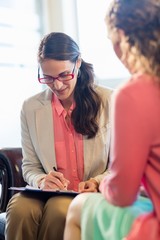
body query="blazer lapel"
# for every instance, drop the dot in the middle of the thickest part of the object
(45, 132)
(88, 145)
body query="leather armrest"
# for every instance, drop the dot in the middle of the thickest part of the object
(10, 174)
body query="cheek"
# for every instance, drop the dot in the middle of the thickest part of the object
(50, 86)
(73, 84)
(117, 50)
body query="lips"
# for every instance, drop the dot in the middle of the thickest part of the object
(62, 91)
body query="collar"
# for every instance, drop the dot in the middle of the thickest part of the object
(58, 106)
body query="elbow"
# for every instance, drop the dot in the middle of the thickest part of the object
(120, 199)
(123, 202)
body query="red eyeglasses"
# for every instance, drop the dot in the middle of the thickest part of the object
(61, 77)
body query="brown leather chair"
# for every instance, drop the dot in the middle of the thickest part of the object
(10, 176)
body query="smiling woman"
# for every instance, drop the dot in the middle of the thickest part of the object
(63, 85)
(65, 126)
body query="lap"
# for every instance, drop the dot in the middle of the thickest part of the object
(24, 203)
(101, 220)
(58, 205)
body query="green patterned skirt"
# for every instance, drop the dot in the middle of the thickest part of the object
(103, 221)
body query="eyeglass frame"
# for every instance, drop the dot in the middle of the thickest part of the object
(57, 78)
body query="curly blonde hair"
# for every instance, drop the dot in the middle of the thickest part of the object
(139, 20)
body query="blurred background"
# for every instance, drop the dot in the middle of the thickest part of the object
(22, 24)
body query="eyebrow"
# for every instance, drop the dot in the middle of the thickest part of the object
(57, 75)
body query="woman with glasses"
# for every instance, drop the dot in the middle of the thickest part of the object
(65, 140)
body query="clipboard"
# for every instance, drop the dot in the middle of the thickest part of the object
(29, 189)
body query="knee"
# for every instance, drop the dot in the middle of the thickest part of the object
(21, 207)
(15, 207)
(56, 208)
(75, 208)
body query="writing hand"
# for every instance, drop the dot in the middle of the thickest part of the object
(54, 180)
(64, 180)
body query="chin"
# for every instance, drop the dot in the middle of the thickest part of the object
(63, 96)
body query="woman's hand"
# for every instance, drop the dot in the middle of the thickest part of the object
(54, 180)
(143, 192)
(88, 186)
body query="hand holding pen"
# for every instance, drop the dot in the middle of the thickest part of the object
(54, 180)
(63, 180)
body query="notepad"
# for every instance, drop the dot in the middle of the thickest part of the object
(28, 188)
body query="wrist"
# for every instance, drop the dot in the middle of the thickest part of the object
(40, 183)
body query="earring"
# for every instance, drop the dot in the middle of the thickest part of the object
(79, 73)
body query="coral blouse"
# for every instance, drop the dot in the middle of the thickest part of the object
(135, 144)
(68, 145)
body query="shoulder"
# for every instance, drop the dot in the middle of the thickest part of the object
(105, 96)
(137, 88)
(139, 93)
(45, 94)
(38, 99)
(104, 92)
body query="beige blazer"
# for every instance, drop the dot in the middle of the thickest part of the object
(38, 139)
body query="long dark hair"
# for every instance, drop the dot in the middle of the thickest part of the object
(59, 46)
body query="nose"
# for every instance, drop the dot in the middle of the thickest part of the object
(57, 84)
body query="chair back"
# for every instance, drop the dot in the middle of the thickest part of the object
(10, 174)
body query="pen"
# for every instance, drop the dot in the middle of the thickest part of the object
(65, 185)
(54, 168)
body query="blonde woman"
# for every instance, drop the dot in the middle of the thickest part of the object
(118, 212)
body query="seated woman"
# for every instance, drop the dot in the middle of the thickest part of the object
(65, 127)
(118, 212)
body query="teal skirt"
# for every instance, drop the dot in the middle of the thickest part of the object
(103, 221)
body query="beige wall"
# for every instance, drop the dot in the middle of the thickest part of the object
(60, 15)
